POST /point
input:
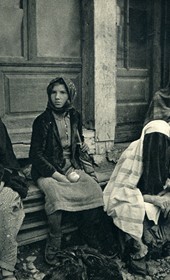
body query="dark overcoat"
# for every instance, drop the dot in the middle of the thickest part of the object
(46, 152)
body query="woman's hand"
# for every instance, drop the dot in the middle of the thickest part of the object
(162, 202)
(60, 177)
(84, 147)
(165, 205)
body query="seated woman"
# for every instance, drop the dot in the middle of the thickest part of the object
(56, 168)
(137, 197)
(12, 189)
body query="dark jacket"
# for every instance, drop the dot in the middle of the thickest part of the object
(9, 165)
(46, 152)
(7, 157)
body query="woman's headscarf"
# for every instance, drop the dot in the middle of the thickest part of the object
(159, 108)
(71, 90)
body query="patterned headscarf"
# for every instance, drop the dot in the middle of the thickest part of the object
(71, 90)
(159, 108)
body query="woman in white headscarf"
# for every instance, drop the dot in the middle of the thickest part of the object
(137, 196)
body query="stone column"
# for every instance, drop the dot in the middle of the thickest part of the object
(105, 46)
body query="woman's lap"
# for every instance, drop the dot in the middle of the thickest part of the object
(82, 195)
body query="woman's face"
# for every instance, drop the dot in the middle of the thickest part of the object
(59, 95)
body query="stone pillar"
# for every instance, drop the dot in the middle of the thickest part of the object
(105, 47)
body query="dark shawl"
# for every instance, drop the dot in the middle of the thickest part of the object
(9, 165)
(159, 108)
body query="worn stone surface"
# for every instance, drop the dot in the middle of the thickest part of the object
(105, 69)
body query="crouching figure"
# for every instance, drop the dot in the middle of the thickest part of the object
(137, 195)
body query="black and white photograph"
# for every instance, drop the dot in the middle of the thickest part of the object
(84, 139)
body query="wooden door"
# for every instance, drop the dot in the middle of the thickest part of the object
(138, 61)
(165, 43)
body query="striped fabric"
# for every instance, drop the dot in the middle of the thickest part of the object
(123, 201)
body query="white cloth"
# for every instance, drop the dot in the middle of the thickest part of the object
(152, 212)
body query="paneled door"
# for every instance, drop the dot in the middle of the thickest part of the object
(138, 62)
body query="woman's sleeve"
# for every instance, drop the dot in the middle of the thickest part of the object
(38, 143)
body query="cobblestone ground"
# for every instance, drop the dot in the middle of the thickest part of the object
(31, 265)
